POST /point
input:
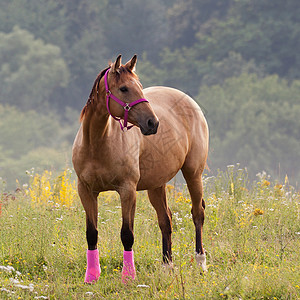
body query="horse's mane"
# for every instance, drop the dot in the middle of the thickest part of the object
(95, 88)
(94, 91)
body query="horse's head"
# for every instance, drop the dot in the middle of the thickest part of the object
(125, 98)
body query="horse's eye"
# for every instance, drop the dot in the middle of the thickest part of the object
(123, 89)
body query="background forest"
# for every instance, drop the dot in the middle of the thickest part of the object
(239, 59)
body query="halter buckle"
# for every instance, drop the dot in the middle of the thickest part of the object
(127, 107)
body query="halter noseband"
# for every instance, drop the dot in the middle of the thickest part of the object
(125, 105)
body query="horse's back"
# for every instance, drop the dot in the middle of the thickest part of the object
(178, 112)
(182, 136)
(176, 104)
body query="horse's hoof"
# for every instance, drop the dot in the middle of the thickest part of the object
(168, 266)
(128, 271)
(201, 261)
(93, 269)
(92, 276)
(128, 274)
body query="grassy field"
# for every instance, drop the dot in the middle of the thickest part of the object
(251, 236)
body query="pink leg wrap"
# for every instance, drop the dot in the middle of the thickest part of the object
(128, 271)
(93, 269)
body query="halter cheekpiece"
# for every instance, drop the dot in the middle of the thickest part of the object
(125, 105)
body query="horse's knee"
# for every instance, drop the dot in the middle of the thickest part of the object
(127, 238)
(198, 215)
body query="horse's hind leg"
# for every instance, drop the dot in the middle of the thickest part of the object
(89, 202)
(195, 186)
(159, 201)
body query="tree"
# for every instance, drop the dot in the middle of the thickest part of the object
(30, 139)
(255, 122)
(30, 70)
(265, 31)
(133, 26)
(186, 17)
(75, 27)
(232, 66)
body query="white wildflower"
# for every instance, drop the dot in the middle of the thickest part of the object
(143, 286)
(8, 269)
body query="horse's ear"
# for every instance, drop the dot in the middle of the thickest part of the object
(131, 63)
(116, 65)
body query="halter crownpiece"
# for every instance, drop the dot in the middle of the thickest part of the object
(127, 106)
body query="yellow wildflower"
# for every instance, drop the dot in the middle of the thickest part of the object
(258, 212)
(266, 183)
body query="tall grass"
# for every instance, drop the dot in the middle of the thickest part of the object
(251, 236)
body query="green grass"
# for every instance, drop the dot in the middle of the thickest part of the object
(251, 235)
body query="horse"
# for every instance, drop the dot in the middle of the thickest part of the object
(168, 133)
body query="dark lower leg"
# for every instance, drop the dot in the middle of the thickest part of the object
(167, 248)
(127, 237)
(198, 218)
(91, 236)
(166, 229)
(199, 245)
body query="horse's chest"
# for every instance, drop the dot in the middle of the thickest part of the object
(98, 177)
(105, 174)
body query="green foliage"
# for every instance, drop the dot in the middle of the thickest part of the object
(177, 69)
(186, 17)
(254, 121)
(29, 139)
(232, 66)
(266, 31)
(144, 27)
(251, 237)
(30, 70)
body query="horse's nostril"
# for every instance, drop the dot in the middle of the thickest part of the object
(150, 127)
(151, 124)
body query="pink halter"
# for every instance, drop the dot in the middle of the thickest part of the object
(126, 106)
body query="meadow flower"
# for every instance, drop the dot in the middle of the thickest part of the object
(278, 186)
(258, 212)
(8, 269)
(266, 183)
(7, 291)
(143, 286)
(44, 190)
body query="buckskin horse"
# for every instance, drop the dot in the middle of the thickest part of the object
(168, 132)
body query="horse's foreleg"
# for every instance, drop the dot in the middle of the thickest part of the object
(89, 202)
(195, 187)
(128, 203)
(159, 201)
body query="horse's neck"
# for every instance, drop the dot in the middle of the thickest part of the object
(95, 124)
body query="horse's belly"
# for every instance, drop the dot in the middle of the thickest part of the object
(157, 178)
(161, 160)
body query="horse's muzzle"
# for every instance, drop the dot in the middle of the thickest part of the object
(150, 127)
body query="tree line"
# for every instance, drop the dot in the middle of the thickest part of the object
(239, 59)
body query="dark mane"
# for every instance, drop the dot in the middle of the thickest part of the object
(94, 91)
